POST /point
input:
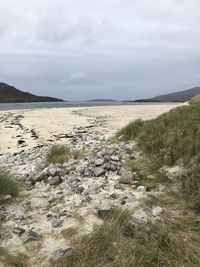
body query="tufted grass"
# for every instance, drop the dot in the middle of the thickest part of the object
(12, 260)
(62, 154)
(8, 186)
(121, 242)
(173, 139)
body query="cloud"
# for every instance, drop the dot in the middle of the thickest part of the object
(78, 76)
(112, 49)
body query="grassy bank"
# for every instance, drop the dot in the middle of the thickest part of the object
(122, 242)
(173, 139)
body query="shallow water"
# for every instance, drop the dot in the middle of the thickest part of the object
(39, 105)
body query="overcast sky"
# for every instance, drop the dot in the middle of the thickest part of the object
(85, 49)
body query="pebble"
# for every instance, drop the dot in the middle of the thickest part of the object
(56, 223)
(157, 211)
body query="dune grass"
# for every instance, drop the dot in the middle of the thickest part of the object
(12, 260)
(121, 242)
(173, 139)
(62, 154)
(8, 186)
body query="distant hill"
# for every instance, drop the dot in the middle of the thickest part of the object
(9, 94)
(101, 100)
(181, 96)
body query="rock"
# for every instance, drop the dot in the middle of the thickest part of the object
(130, 199)
(61, 252)
(126, 178)
(56, 223)
(18, 231)
(113, 167)
(157, 211)
(115, 158)
(114, 196)
(141, 188)
(119, 186)
(99, 171)
(54, 180)
(63, 173)
(123, 202)
(7, 199)
(87, 173)
(3, 215)
(99, 162)
(31, 236)
(79, 190)
(103, 213)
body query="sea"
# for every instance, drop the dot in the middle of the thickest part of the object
(70, 104)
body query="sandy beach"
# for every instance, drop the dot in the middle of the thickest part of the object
(23, 129)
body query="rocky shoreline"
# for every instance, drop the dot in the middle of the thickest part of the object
(59, 196)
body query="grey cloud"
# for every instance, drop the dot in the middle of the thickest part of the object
(93, 49)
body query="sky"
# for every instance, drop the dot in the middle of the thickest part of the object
(88, 49)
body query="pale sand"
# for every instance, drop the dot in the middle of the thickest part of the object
(49, 122)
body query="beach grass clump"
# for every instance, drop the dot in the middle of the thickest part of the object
(58, 154)
(8, 186)
(62, 154)
(12, 260)
(130, 131)
(121, 242)
(174, 139)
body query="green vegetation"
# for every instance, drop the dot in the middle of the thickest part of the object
(7, 184)
(69, 232)
(130, 131)
(62, 154)
(12, 260)
(121, 242)
(173, 139)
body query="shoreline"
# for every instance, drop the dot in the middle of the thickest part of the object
(73, 104)
(24, 129)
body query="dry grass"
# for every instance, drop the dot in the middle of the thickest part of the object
(62, 154)
(8, 186)
(121, 242)
(173, 139)
(12, 260)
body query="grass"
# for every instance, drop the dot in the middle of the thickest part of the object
(121, 242)
(7, 184)
(149, 172)
(12, 260)
(62, 154)
(69, 232)
(173, 139)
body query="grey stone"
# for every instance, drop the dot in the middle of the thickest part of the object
(18, 231)
(103, 213)
(99, 171)
(114, 196)
(61, 252)
(157, 211)
(113, 167)
(99, 162)
(115, 158)
(31, 236)
(79, 189)
(141, 188)
(3, 215)
(56, 223)
(126, 178)
(7, 199)
(54, 180)
(119, 186)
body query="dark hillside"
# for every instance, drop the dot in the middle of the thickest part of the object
(9, 94)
